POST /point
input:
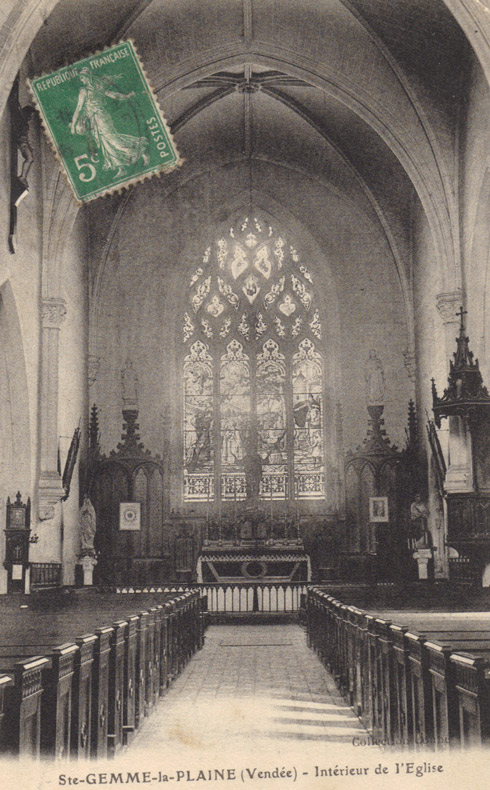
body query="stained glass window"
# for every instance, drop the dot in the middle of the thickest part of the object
(235, 413)
(271, 419)
(253, 371)
(198, 422)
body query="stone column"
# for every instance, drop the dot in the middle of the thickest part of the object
(459, 477)
(53, 312)
(448, 305)
(93, 369)
(423, 557)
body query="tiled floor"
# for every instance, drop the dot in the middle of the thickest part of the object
(251, 689)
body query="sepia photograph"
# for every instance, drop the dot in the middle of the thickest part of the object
(244, 405)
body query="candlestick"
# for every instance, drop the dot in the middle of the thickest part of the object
(296, 492)
(219, 508)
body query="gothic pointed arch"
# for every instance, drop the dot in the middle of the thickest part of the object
(253, 370)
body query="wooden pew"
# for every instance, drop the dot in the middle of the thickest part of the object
(81, 721)
(156, 613)
(130, 678)
(420, 690)
(365, 711)
(100, 693)
(444, 704)
(95, 690)
(6, 682)
(23, 706)
(55, 694)
(403, 715)
(386, 684)
(56, 701)
(373, 719)
(472, 687)
(141, 668)
(115, 701)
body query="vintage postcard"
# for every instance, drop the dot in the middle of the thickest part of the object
(244, 406)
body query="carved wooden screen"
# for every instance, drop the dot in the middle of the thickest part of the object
(376, 469)
(129, 475)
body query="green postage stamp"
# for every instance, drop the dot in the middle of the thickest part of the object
(104, 122)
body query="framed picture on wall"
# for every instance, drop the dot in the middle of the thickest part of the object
(378, 508)
(130, 516)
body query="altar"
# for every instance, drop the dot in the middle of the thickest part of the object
(253, 548)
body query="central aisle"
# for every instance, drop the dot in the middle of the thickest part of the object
(256, 690)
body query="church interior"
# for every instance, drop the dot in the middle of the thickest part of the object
(255, 386)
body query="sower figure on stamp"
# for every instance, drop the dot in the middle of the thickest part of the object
(92, 118)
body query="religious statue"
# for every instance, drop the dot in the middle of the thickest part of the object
(20, 121)
(252, 466)
(129, 385)
(87, 523)
(375, 380)
(419, 514)
(252, 463)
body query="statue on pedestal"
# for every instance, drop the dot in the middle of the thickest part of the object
(252, 466)
(419, 514)
(375, 381)
(87, 524)
(129, 381)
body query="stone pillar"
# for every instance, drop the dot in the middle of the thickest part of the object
(93, 369)
(452, 436)
(53, 312)
(448, 305)
(423, 557)
(88, 563)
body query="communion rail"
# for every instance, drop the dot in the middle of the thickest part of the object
(86, 696)
(423, 683)
(261, 598)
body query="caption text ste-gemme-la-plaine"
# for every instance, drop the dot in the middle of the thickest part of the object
(248, 774)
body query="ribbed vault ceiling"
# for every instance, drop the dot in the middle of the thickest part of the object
(363, 94)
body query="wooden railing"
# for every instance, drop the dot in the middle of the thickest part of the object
(45, 574)
(260, 598)
(86, 697)
(465, 570)
(410, 691)
(238, 598)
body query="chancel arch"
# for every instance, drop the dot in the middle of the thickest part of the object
(349, 159)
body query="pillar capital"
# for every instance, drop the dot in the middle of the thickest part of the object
(448, 304)
(53, 312)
